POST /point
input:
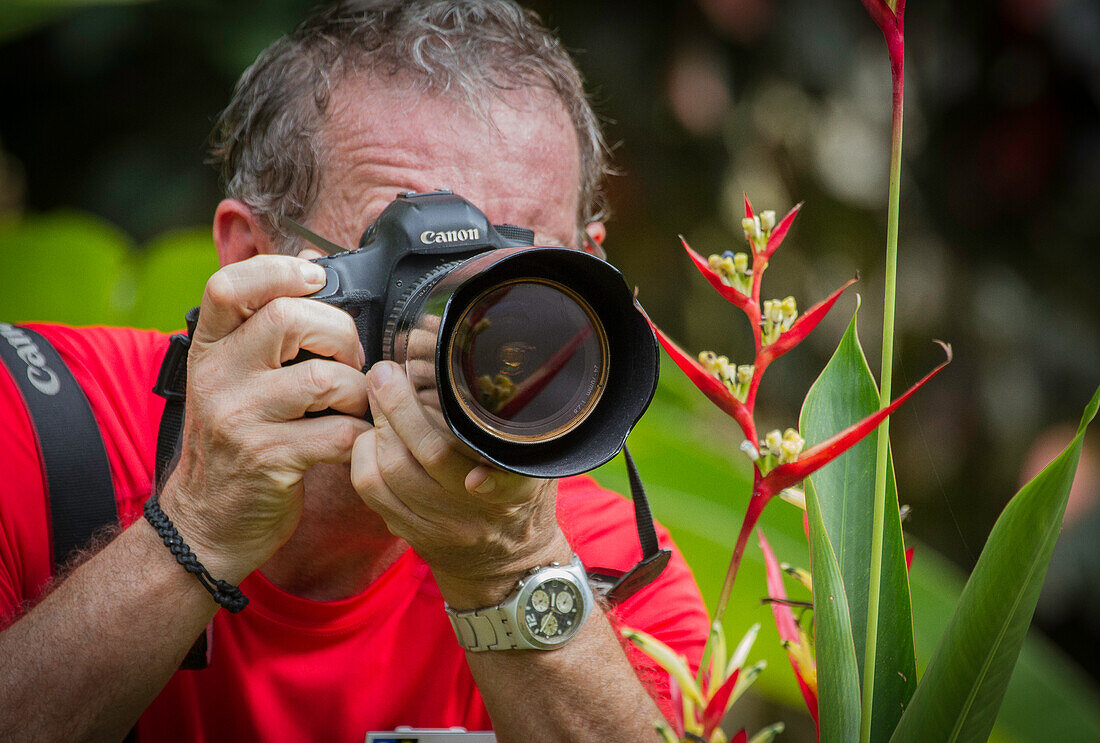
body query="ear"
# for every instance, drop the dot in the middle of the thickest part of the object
(238, 233)
(596, 233)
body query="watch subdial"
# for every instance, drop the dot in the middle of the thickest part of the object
(563, 602)
(540, 601)
(549, 626)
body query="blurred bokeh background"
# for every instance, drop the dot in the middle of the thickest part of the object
(105, 202)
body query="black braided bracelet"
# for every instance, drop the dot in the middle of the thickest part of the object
(226, 594)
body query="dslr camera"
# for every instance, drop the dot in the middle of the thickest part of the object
(535, 358)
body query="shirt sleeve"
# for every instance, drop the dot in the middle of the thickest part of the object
(24, 523)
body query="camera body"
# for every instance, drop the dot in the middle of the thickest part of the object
(535, 358)
(415, 236)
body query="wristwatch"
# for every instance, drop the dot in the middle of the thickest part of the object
(544, 612)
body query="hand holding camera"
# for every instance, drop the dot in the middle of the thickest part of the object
(236, 492)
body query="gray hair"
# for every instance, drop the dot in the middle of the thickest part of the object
(265, 145)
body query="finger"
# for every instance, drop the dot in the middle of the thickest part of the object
(367, 480)
(397, 411)
(480, 480)
(311, 253)
(310, 441)
(317, 384)
(286, 325)
(238, 290)
(395, 463)
(491, 485)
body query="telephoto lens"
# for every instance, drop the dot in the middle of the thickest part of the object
(535, 358)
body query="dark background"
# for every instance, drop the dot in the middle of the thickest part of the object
(106, 109)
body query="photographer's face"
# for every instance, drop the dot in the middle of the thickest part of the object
(522, 168)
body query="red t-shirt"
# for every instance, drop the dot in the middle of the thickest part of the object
(289, 668)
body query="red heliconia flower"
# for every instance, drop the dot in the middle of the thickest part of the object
(716, 707)
(786, 625)
(802, 327)
(732, 294)
(779, 462)
(783, 476)
(820, 454)
(707, 383)
(781, 229)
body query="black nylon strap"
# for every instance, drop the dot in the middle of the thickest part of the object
(616, 586)
(78, 473)
(647, 534)
(172, 386)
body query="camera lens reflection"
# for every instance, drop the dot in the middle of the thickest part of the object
(528, 360)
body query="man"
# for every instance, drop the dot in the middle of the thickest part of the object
(314, 517)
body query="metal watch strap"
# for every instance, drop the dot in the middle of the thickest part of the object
(485, 629)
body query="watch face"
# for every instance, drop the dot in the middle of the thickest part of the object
(553, 610)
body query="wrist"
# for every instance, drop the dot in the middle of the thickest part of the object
(223, 562)
(224, 593)
(489, 587)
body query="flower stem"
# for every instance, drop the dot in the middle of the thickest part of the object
(897, 59)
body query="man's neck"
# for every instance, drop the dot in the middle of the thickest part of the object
(340, 546)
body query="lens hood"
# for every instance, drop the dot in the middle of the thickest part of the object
(429, 319)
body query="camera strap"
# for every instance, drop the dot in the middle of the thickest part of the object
(172, 386)
(79, 490)
(616, 586)
(612, 584)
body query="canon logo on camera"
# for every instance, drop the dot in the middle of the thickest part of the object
(450, 236)
(41, 376)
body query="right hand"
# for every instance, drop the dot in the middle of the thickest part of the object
(236, 494)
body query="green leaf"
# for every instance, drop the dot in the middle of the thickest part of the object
(63, 267)
(958, 698)
(172, 273)
(837, 673)
(843, 394)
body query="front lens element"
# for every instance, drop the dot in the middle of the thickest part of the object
(528, 360)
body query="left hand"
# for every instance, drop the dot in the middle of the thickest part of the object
(478, 528)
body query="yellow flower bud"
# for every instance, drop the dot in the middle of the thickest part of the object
(774, 441)
(741, 263)
(788, 452)
(767, 220)
(799, 574)
(744, 373)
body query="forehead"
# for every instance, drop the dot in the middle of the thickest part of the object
(518, 161)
